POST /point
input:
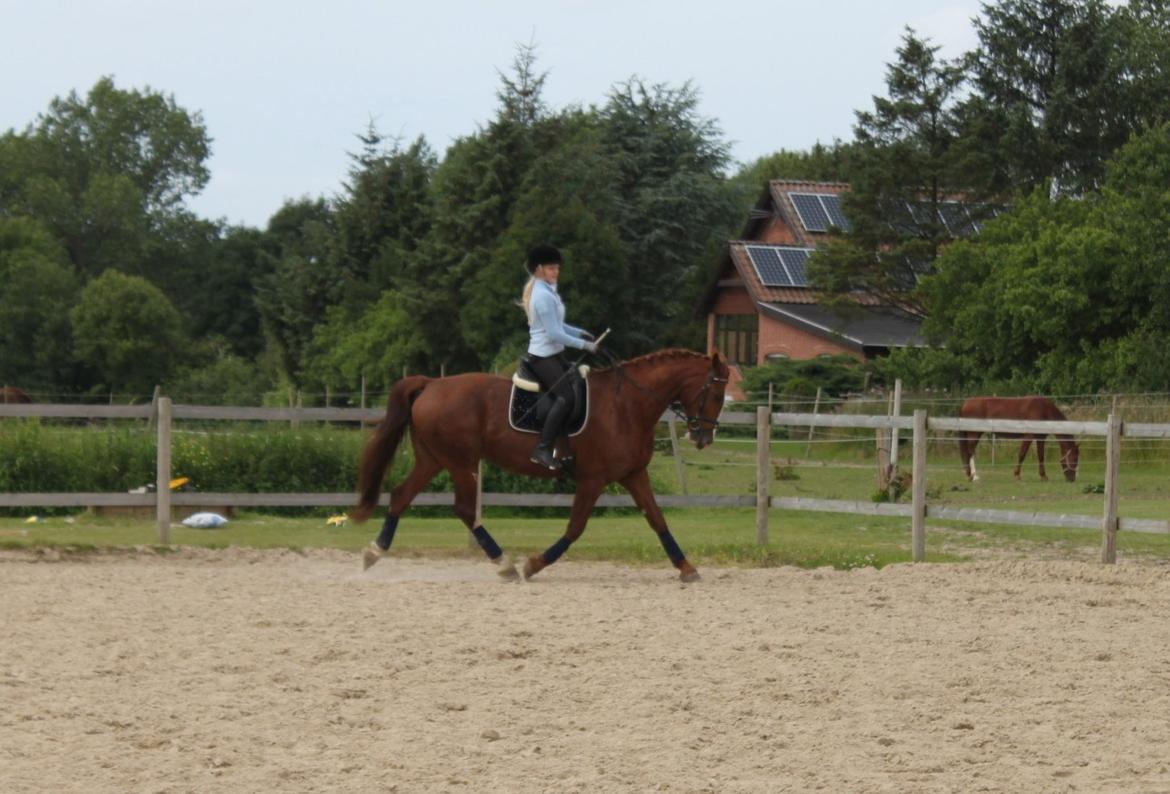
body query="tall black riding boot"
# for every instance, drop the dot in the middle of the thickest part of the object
(543, 454)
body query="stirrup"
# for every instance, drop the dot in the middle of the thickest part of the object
(544, 457)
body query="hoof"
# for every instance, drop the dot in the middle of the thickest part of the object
(370, 556)
(505, 568)
(687, 573)
(532, 566)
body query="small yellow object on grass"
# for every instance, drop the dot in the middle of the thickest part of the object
(32, 519)
(179, 482)
(336, 521)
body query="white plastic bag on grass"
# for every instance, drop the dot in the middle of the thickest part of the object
(204, 521)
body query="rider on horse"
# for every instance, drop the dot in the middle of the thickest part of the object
(548, 336)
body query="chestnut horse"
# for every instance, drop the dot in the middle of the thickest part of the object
(1016, 408)
(458, 420)
(11, 394)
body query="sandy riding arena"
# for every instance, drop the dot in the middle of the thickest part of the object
(265, 671)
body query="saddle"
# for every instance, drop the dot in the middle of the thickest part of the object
(529, 402)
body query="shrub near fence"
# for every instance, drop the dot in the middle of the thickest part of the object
(39, 457)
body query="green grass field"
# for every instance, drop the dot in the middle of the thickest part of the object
(727, 536)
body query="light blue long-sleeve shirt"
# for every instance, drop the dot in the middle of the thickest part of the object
(548, 332)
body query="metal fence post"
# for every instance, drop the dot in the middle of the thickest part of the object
(812, 426)
(163, 471)
(763, 472)
(1112, 474)
(918, 488)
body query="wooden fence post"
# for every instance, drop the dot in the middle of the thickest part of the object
(163, 471)
(153, 408)
(363, 392)
(883, 459)
(1112, 473)
(680, 470)
(811, 427)
(918, 488)
(896, 411)
(763, 472)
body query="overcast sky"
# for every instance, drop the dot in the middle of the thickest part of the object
(284, 85)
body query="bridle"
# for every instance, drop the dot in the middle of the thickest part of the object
(695, 422)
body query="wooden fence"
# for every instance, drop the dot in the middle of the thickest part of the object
(918, 511)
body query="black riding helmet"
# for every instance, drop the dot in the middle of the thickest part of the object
(543, 255)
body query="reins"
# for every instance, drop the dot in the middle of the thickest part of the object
(694, 423)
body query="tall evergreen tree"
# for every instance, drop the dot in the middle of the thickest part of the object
(675, 207)
(1049, 79)
(902, 170)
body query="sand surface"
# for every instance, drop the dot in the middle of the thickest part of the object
(251, 671)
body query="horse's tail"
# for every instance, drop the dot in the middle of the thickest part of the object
(380, 449)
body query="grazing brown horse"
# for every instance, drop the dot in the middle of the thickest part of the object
(11, 394)
(1016, 408)
(456, 421)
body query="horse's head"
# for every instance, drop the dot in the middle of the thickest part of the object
(1070, 456)
(702, 400)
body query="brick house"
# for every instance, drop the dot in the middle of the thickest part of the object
(759, 305)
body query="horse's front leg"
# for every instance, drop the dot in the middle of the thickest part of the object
(583, 501)
(1023, 454)
(967, 442)
(1040, 457)
(638, 484)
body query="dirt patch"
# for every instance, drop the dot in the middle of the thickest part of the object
(259, 671)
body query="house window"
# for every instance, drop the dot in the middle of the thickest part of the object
(737, 336)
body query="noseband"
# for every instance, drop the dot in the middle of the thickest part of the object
(695, 422)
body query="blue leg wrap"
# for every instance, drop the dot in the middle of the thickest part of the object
(386, 536)
(672, 550)
(487, 543)
(554, 552)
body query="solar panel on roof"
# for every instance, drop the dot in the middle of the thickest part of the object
(769, 267)
(811, 211)
(956, 218)
(836, 215)
(795, 260)
(780, 266)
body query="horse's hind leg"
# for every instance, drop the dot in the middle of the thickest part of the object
(425, 469)
(465, 490)
(583, 501)
(638, 484)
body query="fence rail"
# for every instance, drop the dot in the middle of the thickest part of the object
(920, 424)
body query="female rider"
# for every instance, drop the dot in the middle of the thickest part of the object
(548, 335)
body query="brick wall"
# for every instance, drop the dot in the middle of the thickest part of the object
(777, 337)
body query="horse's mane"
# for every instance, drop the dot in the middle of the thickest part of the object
(656, 356)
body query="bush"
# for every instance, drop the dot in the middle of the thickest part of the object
(799, 379)
(37, 457)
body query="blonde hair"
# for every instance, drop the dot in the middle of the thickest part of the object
(526, 298)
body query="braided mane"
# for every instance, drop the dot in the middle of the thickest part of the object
(658, 355)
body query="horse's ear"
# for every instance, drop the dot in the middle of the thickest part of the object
(718, 363)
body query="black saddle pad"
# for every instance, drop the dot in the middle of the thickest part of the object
(526, 410)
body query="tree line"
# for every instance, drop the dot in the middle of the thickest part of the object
(1053, 128)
